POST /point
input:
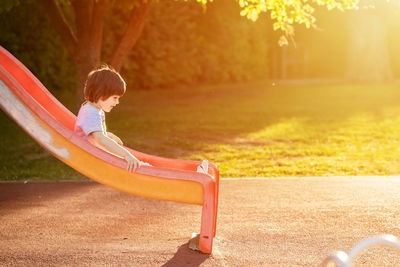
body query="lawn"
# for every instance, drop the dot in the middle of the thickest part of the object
(246, 129)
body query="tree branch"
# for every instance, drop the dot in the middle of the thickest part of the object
(131, 35)
(61, 25)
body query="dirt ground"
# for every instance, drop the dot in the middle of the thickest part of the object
(262, 222)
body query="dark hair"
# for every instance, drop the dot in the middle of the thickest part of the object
(103, 83)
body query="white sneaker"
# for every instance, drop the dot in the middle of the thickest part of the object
(203, 167)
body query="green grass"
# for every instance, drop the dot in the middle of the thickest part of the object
(246, 129)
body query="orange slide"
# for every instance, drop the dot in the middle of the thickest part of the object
(49, 123)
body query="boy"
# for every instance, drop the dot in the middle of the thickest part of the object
(103, 89)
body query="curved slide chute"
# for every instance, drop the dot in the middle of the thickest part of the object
(50, 124)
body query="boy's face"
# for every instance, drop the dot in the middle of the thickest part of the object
(108, 103)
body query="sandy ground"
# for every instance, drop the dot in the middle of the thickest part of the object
(262, 222)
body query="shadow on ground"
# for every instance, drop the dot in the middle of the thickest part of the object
(186, 257)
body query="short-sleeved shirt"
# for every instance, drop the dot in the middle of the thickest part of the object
(90, 120)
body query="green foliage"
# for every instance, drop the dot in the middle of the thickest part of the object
(27, 33)
(167, 52)
(183, 44)
(286, 13)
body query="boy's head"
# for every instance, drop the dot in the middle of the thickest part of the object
(103, 83)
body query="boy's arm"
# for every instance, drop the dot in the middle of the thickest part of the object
(115, 138)
(112, 146)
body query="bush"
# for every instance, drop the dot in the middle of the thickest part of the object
(27, 33)
(184, 44)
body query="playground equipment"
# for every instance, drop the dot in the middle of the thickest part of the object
(345, 260)
(50, 124)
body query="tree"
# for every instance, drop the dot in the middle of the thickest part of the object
(83, 36)
(85, 44)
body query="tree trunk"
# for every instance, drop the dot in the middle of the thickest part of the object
(368, 49)
(89, 17)
(83, 68)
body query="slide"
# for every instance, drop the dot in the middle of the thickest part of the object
(49, 123)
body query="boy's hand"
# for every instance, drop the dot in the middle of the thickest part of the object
(115, 138)
(132, 162)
